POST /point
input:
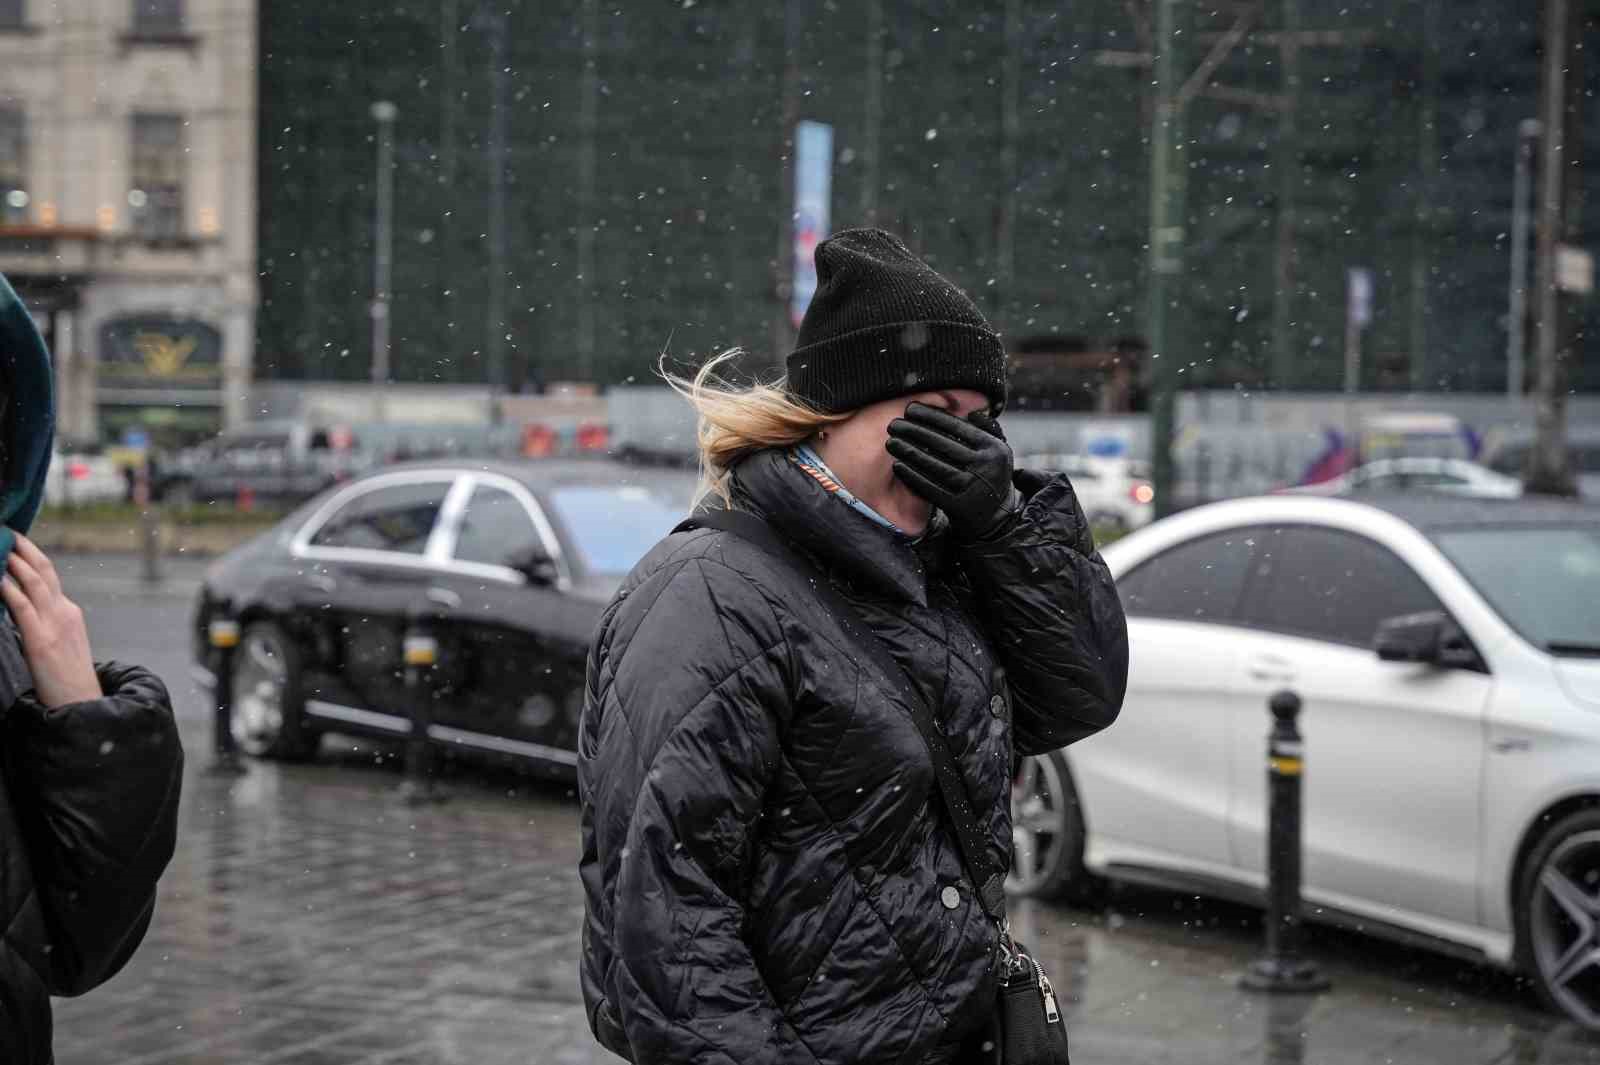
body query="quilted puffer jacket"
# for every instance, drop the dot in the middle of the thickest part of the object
(767, 865)
(88, 820)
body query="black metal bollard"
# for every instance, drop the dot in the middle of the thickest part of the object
(222, 635)
(420, 654)
(1282, 969)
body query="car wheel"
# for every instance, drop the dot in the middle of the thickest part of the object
(266, 698)
(1558, 913)
(1047, 832)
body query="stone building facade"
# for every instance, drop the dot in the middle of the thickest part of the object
(128, 206)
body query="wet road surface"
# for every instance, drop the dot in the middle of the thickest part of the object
(310, 918)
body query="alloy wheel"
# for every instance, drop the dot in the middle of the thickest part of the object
(1564, 926)
(260, 679)
(1038, 824)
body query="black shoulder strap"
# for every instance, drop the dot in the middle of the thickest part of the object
(990, 880)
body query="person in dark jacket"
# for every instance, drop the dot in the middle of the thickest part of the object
(89, 756)
(769, 872)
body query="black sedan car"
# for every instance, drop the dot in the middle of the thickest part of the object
(512, 563)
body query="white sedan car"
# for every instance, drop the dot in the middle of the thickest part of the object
(1448, 655)
(1114, 490)
(1417, 473)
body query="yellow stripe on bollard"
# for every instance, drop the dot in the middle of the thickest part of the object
(223, 634)
(1286, 767)
(421, 651)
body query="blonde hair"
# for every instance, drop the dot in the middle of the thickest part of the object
(738, 419)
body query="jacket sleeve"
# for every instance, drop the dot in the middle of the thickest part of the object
(96, 790)
(1052, 611)
(688, 696)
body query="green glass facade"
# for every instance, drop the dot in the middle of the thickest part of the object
(645, 193)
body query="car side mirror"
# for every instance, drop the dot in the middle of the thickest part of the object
(1431, 637)
(534, 564)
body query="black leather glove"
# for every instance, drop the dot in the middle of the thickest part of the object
(961, 467)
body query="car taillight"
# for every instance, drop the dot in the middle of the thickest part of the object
(77, 471)
(1141, 493)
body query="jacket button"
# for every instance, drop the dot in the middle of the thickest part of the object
(997, 706)
(950, 897)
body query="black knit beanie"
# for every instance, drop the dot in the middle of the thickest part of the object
(884, 323)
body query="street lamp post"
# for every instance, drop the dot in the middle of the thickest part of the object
(384, 113)
(1528, 132)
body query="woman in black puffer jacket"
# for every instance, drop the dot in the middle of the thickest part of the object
(769, 870)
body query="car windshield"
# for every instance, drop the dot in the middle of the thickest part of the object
(1543, 580)
(612, 526)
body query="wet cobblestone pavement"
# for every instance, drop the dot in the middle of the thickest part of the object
(312, 919)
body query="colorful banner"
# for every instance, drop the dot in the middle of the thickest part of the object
(813, 192)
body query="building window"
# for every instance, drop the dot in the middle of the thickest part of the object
(156, 18)
(14, 199)
(155, 194)
(12, 14)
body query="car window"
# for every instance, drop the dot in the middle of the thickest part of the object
(396, 518)
(495, 528)
(1199, 580)
(1333, 585)
(610, 527)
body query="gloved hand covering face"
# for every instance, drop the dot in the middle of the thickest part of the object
(961, 467)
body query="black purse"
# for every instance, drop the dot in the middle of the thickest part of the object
(1027, 1027)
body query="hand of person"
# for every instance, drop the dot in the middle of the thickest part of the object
(961, 467)
(54, 639)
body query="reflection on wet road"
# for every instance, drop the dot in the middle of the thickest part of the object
(311, 919)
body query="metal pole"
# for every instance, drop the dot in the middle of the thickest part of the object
(588, 156)
(1282, 968)
(384, 113)
(1422, 201)
(1010, 135)
(222, 633)
(1286, 160)
(783, 265)
(494, 24)
(1547, 471)
(872, 114)
(149, 522)
(1168, 182)
(1517, 313)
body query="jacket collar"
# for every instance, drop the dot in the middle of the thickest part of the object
(847, 544)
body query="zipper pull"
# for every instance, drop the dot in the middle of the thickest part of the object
(1052, 1012)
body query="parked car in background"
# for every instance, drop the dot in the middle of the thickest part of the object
(265, 461)
(1507, 454)
(1404, 476)
(1448, 655)
(1115, 490)
(79, 477)
(513, 560)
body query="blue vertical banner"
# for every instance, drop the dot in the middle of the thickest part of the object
(813, 192)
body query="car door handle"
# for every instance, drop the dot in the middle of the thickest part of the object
(317, 582)
(1271, 669)
(444, 597)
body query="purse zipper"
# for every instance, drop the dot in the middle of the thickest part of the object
(1052, 1012)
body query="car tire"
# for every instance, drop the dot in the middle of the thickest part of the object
(1558, 917)
(1048, 833)
(268, 704)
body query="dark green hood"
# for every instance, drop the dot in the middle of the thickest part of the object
(28, 426)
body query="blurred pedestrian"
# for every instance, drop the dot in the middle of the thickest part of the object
(90, 762)
(769, 871)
